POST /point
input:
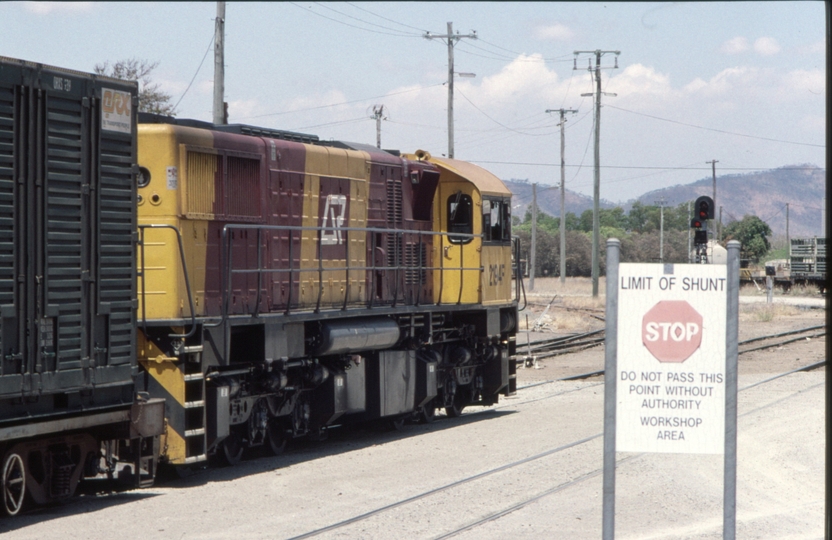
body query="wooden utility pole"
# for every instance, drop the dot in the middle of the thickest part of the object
(713, 163)
(220, 114)
(534, 237)
(596, 192)
(451, 39)
(562, 191)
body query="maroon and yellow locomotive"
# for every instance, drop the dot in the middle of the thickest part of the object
(288, 284)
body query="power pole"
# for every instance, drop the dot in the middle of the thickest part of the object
(562, 192)
(689, 248)
(596, 192)
(788, 244)
(451, 39)
(534, 237)
(378, 112)
(661, 232)
(220, 114)
(713, 163)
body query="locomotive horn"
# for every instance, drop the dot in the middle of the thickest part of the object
(422, 154)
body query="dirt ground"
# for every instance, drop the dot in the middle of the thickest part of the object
(558, 310)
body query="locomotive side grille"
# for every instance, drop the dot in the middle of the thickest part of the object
(243, 187)
(202, 170)
(7, 196)
(394, 203)
(116, 280)
(64, 227)
(394, 221)
(223, 187)
(415, 260)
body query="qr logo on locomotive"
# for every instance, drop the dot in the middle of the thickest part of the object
(115, 110)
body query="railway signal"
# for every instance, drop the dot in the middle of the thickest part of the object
(704, 208)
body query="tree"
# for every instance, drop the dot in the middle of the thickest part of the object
(151, 98)
(752, 233)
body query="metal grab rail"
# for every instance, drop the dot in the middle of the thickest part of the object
(227, 259)
(141, 273)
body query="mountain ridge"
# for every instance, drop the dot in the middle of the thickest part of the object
(761, 193)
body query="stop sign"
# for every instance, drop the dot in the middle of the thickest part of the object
(671, 330)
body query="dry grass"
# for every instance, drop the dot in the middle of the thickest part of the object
(571, 307)
(766, 312)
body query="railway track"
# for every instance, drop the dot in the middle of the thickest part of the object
(577, 478)
(547, 348)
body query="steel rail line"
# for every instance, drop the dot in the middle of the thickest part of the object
(597, 472)
(512, 465)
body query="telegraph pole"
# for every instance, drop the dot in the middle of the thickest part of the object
(534, 237)
(220, 116)
(378, 112)
(451, 37)
(661, 229)
(713, 163)
(596, 191)
(562, 192)
(788, 244)
(689, 248)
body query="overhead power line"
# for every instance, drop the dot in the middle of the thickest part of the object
(317, 107)
(391, 32)
(716, 130)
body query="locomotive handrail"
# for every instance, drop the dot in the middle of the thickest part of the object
(175, 229)
(227, 262)
(518, 274)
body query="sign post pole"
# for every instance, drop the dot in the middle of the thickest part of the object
(610, 371)
(729, 509)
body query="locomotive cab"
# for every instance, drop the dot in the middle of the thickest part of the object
(472, 208)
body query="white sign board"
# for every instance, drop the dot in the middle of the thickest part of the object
(671, 358)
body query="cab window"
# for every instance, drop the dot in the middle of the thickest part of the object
(496, 220)
(460, 217)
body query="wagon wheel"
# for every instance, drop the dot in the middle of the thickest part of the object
(276, 437)
(397, 423)
(14, 484)
(231, 449)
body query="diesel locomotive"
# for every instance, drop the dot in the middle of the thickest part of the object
(173, 291)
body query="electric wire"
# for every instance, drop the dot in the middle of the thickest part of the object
(725, 132)
(197, 72)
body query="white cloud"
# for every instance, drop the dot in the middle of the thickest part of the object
(526, 75)
(735, 46)
(554, 32)
(637, 79)
(244, 108)
(45, 8)
(766, 46)
(802, 81)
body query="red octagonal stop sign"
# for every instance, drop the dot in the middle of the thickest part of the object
(672, 330)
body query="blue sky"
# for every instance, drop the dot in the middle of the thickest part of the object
(739, 82)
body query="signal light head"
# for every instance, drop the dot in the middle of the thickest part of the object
(704, 207)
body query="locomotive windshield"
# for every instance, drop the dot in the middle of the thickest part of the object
(460, 217)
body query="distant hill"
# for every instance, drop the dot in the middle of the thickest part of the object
(763, 193)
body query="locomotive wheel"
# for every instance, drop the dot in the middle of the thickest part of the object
(14, 483)
(428, 413)
(455, 410)
(277, 437)
(231, 450)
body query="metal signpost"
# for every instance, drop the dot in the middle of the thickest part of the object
(671, 366)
